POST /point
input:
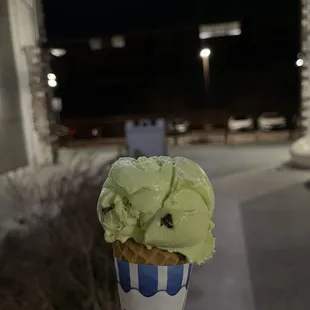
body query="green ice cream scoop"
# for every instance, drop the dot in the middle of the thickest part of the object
(161, 202)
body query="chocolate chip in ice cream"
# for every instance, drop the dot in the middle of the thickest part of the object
(167, 221)
(107, 209)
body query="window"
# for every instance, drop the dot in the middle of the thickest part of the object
(95, 44)
(118, 41)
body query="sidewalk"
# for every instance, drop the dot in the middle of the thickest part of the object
(262, 252)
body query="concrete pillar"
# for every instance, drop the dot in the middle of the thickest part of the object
(13, 151)
(300, 150)
(305, 69)
(24, 114)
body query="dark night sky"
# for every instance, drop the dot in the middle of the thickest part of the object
(269, 37)
(73, 18)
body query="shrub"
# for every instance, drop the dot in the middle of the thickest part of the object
(53, 256)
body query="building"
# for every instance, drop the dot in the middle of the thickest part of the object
(147, 71)
(24, 124)
(159, 70)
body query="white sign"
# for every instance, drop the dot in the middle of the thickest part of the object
(146, 138)
(219, 30)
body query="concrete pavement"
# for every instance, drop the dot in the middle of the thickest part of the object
(260, 262)
(220, 160)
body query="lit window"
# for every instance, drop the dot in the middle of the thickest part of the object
(58, 52)
(57, 104)
(219, 30)
(95, 44)
(118, 41)
(95, 132)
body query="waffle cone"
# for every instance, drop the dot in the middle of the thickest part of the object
(137, 253)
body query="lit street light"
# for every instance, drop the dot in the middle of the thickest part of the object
(207, 31)
(52, 83)
(51, 76)
(299, 62)
(205, 54)
(51, 80)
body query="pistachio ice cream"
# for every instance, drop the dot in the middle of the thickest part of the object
(160, 202)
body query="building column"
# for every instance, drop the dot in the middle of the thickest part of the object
(12, 144)
(31, 75)
(300, 150)
(305, 68)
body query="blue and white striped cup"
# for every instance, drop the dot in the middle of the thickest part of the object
(148, 287)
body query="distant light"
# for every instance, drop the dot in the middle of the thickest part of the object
(205, 35)
(51, 76)
(118, 41)
(219, 30)
(204, 53)
(58, 52)
(95, 44)
(52, 83)
(299, 62)
(181, 127)
(57, 104)
(95, 132)
(234, 32)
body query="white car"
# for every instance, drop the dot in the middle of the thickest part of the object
(240, 123)
(177, 126)
(270, 121)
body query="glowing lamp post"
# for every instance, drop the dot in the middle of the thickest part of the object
(208, 31)
(204, 54)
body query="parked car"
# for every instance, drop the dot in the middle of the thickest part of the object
(240, 123)
(177, 126)
(271, 121)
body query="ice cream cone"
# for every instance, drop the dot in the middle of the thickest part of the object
(156, 201)
(150, 279)
(136, 253)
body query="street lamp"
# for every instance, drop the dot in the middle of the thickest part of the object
(205, 54)
(207, 31)
(52, 83)
(51, 80)
(51, 76)
(299, 62)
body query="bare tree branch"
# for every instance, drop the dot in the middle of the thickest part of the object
(54, 255)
